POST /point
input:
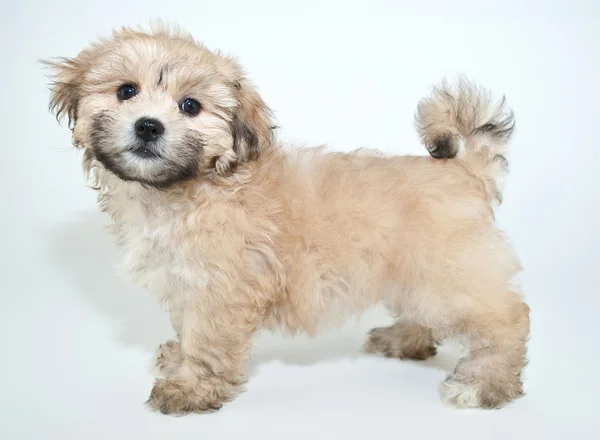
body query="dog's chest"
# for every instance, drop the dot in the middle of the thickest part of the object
(158, 250)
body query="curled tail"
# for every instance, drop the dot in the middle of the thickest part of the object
(463, 122)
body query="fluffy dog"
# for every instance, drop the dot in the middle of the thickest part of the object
(235, 232)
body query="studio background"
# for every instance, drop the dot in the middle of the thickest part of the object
(77, 340)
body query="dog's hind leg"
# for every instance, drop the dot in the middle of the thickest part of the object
(490, 376)
(466, 291)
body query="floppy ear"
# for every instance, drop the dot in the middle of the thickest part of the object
(251, 125)
(64, 89)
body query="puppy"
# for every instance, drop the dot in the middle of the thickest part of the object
(236, 232)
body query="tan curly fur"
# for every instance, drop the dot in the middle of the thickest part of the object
(236, 232)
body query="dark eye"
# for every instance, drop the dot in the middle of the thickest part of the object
(190, 106)
(126, 91)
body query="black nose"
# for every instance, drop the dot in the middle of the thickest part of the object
(149, 129)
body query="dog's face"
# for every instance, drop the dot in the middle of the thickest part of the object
(158, 108)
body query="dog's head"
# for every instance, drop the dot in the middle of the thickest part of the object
(159, 108)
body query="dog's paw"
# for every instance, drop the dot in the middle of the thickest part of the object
(402, 341)
(168, 358)
(476, 393)
(460, 394)
(180, 397)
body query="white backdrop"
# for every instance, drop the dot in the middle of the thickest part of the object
(77, 340)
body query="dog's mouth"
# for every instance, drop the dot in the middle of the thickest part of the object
(145, 151)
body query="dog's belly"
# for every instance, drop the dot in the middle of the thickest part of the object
(321, 292)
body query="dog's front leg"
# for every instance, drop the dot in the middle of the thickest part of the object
(206, 368)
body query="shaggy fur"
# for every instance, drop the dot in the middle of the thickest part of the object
(235, 232)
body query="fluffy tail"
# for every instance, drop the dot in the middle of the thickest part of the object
(463, 122)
